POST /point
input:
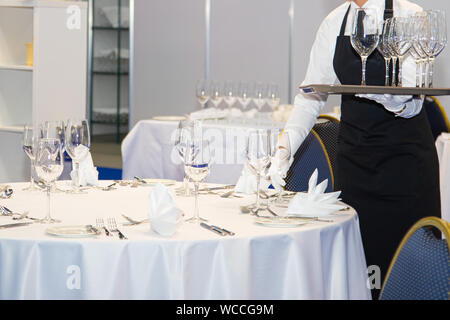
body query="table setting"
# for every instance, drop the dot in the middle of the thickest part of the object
(145, 238)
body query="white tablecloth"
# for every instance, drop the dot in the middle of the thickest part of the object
(314, 261)
(443, 149)
(148, 150)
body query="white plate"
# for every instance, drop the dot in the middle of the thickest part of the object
(70, 231)
(169, 118)
(279, 223)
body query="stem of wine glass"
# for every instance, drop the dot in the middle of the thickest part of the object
(418, 73)
(431, 71)
(48, 218)
(386, 63)
(400, 71)
(394, 71)
(424, 73)
(196, 213)
(77, 180)
(364, 63)
(258, 182)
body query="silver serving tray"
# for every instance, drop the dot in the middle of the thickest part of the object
(350, 89)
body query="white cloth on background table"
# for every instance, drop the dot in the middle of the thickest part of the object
(315, 203)
(148, 150)
(313, 261)
(443, 150)
(87, 173)
(164, 215)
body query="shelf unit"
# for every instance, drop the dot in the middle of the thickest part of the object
(108, 85)
(54, 87)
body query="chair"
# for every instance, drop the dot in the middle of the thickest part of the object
(328, 130)
(311, 155)
(420, 269)
(437, 116)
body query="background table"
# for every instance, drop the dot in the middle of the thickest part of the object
(148, 150)
(443, 148)
(314, 261)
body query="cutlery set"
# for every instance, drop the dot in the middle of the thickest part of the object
(111, 229)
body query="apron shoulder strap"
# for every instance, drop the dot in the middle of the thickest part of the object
(388, 9)
(344, 22)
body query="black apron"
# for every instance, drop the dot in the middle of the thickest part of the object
(387, 166)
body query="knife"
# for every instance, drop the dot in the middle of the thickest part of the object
(12, 225)
(225, 230)
(213, 229)
(217, 188)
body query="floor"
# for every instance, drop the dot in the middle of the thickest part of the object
(106, 151)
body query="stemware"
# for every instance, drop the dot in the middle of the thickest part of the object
(230, 96)
(365, 35)
(182, 137)
(389, 45)
(197, 165)
(216, 96)
(202, 92)
(259, 95)
(418, 24)
(401, 33)
(273, 96)
(29, 139)
(433, 39)
(244, 96)
(78, 142)
(383, 48)
(55, 130)
(49, 166)
(284, 155)
(258, 153)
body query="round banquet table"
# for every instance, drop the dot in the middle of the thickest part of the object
(318, 260)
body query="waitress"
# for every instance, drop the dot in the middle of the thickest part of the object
(387, 166)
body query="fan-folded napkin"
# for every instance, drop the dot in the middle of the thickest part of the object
(315, 202)
(87, 173)
(247, 182)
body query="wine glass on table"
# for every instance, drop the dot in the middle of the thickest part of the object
(244, 97)
(283, 154)
(383, 48)
(401, 33)
(54, 130)
(230, 96)
(49, 166)
(216, 95)
(29, 139)
(197, 166)
(182, 137)
(77, 146)
(202, 92)
(365, 35)
(258, 153)
(273, 96)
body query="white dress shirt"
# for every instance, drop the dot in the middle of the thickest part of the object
(321, 71)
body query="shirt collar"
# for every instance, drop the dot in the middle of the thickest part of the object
(370, 4)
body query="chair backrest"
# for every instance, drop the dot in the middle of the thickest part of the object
(328, 131)
(311, 155)
(420, 269)
(437, 116)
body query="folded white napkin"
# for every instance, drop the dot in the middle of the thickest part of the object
(87, 173)
(247, 182)
(164, 215)
(315, 203)
(250, 114)
(282, 112)
(208, 113)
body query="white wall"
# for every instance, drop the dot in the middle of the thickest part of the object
(249, 41)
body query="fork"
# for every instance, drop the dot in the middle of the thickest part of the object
(113, 227)
(101, 225)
